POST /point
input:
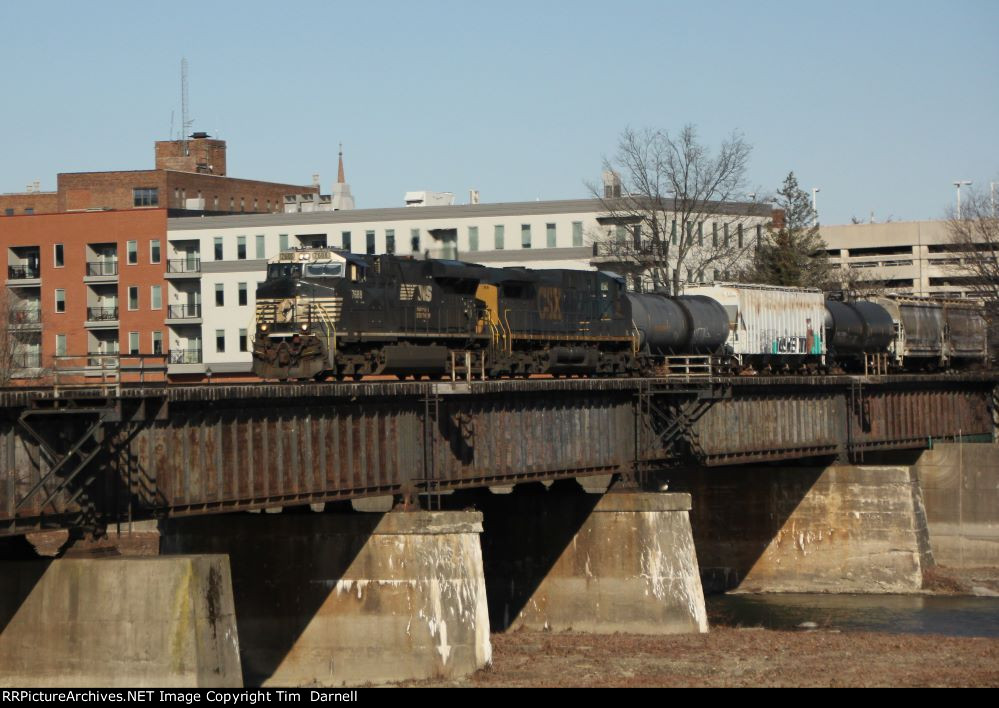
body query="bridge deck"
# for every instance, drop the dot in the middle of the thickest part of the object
(86, 456)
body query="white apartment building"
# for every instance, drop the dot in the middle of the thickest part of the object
(215, 263)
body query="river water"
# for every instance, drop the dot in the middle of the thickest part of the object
(896, 614)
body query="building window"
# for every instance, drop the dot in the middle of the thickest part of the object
(759, 233)
(741, 242)
(133, 297)
(260, 246)
(254, 204)
(690, 241)
(242, 340)
(216, 202)
(156, 297)
(414, 240)
(8, 211)
(242, 294)
(577, 233)
(133, 252)
(60, 349)
(672, 232)
(157, 342)
(218, 248)
(725, 234)
(145, 196)
(473, 238)
(219, 295)
(714, 235)
(283, 242)
(59, 256)
(550, 231)
(232, 203)
(241, 248)
(154, 251)
(498, 237)
(700, 233)
(389, 241)
(242, 203)
(369, 242)
(220, 341)
(133, 342)
(60, 300)
(345, 240)
(525, 235)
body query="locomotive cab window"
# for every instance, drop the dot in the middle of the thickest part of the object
(284, 270)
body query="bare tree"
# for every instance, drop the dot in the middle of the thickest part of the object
(975, 235)
(15, 321)
(673, 207)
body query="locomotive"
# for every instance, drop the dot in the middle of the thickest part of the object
(324, 313)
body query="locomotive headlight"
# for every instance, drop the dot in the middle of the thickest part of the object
(304, 328)
(263, 328)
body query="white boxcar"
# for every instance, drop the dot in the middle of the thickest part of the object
(770, 320)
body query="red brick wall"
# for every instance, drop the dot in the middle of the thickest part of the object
(204, 155)
(41, 202)
(113, 190)
(75, 232)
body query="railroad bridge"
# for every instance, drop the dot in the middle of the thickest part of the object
(89, 459)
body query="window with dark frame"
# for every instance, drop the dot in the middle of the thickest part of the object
(145, 196)
(242, 294)
(219, 295)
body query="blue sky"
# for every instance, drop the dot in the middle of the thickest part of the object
(880, 104)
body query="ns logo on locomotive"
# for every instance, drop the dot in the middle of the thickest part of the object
(323, 313)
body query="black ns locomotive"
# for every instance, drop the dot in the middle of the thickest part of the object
(325, 313)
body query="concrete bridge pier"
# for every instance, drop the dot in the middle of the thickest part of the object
(837, 529)
(118, 622)
(348, 598)
(563, 560)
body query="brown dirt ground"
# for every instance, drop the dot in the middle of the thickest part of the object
(729, 657)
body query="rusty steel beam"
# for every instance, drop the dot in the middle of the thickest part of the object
(212, 449)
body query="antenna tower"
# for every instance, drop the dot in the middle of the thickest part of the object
(185, 121)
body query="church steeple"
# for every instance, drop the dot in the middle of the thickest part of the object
(342, 198)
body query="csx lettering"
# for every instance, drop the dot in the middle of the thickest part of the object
(550, 303)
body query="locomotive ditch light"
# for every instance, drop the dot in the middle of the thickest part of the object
(263, 328)
(304, 327)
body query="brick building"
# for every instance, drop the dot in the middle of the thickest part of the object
(189, 179)
(82, 285)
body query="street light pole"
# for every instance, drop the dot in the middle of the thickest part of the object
(815, 206)
(959, 184)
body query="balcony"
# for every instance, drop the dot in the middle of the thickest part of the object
(23, 272)
(184, 312)
(101, 272)
(25, 318)
(183, 315)
(102, 318)
(185, 356)
(183, 268)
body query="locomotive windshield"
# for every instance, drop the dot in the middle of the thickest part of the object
(284, 270)
(324, 270)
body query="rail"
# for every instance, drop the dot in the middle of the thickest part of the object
(183, 312)
(23, 272)
(184, 265)
(102, 314)
(102, 268)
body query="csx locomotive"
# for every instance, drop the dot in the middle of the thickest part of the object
(327, 313)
